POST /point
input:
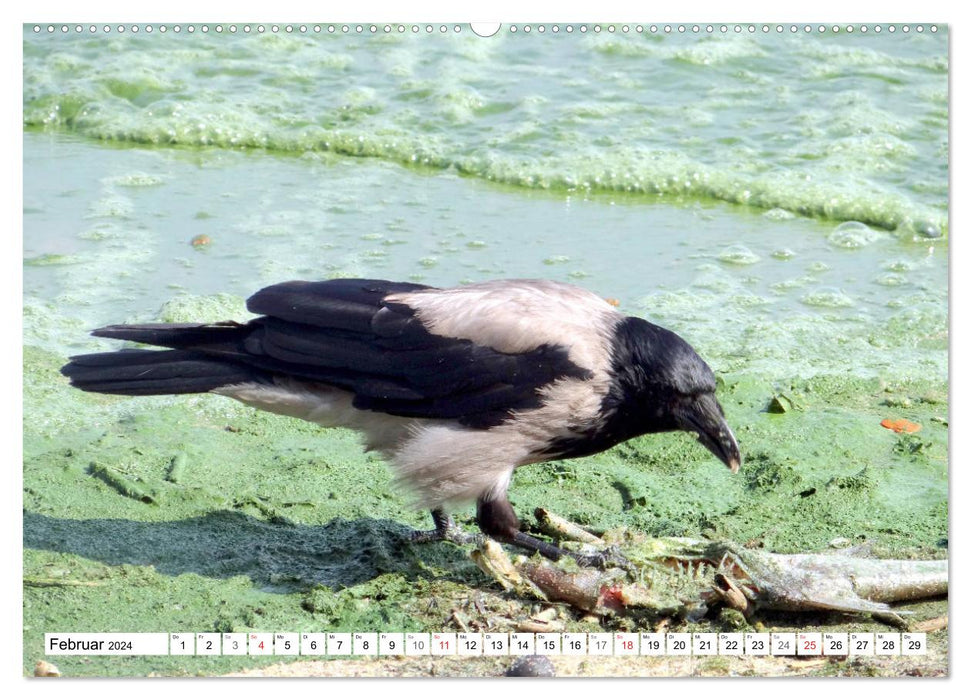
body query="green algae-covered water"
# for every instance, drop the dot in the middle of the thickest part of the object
(779, 199)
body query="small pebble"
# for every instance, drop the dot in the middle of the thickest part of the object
(43, 669)
(532, 667)
(928, 230)
(922, 228)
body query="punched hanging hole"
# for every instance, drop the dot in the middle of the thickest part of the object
(485, 29)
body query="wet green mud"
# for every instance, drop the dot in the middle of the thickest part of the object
(198, 514)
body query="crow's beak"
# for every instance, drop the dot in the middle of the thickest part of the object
(704, 416)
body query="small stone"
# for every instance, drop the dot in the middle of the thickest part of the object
(532, 667)
(43, 669)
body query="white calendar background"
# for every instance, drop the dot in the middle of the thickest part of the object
(387, 644)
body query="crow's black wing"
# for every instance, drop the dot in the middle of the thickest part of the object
(348, 334)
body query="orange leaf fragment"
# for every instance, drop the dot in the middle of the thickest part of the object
(900, 425)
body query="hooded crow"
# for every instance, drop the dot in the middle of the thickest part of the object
(454, 387)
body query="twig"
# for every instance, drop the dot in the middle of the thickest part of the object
(932, 625)
(555, 525)
(55, 582)
(121, 484)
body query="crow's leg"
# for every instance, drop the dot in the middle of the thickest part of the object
(445, 529)
(498, 520)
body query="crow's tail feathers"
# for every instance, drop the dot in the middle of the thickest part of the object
(209, 336)
(190, 369)
(148, 372)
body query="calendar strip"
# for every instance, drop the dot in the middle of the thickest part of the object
(364, 644)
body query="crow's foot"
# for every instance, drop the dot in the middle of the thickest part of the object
(445, 530)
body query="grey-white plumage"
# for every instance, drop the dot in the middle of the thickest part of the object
(455, 387)
(441, 461)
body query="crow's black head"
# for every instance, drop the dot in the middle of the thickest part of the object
(661, 384)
